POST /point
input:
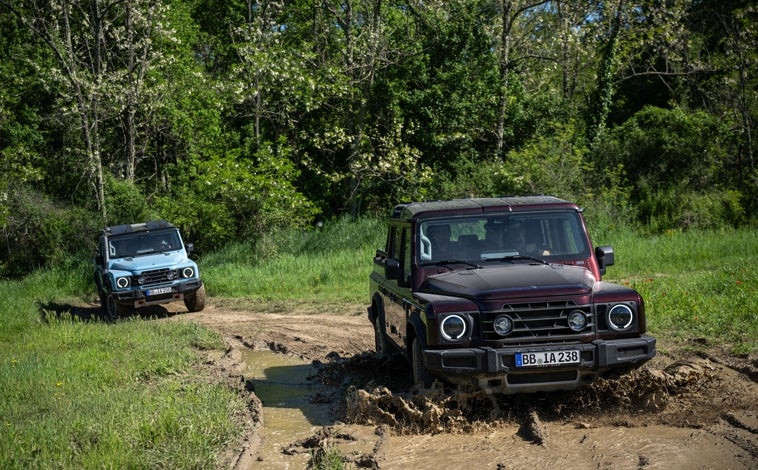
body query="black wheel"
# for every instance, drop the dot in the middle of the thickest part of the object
(103, 300)
(380, 336)
(113, 309)
(421, 376)
(101, 295)
(195, 301)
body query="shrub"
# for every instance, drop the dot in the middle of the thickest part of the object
(552, 163)
(40, 233)
(124, 201)
(675, 208)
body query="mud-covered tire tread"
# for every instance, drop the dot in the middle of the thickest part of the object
(421, 376)
(195, 302)
(381, 346)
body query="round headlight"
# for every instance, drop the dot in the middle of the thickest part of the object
(503, 325)
(577, 320)
(620, 317)
(453, 327)
(188, 272)
(122, 282)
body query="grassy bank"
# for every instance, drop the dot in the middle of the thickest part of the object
(77, 393)
(330, 264)
(699, 287)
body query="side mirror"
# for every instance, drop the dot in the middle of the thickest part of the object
(604, 255)
(392, 269)
(189, 247)
(98, 259)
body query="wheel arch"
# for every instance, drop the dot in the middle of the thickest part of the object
(414, 328)
(377, 308)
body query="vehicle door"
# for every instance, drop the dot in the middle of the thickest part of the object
(100, 261)
(397, 303)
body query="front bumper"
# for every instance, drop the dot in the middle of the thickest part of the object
(142, 298)
(495, 370)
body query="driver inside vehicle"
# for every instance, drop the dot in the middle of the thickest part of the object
(439, 235)
(517, 239)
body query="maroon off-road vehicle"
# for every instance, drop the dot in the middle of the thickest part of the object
(504, 294)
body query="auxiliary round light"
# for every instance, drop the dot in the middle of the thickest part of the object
(142, 279)
(188, 272)
(453, 327)
(577, 320)
(503, 325)
(122, 282)
(620, 317)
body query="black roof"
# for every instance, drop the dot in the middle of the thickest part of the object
(138, 227)
(414, 210)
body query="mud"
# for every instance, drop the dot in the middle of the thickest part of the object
(681, 410)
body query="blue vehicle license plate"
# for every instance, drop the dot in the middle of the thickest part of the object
(547, 358)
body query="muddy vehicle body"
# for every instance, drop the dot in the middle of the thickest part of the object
(142, 264)
(503, 294)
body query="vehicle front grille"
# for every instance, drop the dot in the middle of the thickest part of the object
(538, 321)
(154, 277)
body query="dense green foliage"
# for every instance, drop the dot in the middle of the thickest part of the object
(235, 119)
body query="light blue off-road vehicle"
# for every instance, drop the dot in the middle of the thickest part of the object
(137, 265)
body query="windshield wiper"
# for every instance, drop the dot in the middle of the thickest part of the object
(523, 257)
(450, 261)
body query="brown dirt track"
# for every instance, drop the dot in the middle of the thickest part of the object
(681, 410)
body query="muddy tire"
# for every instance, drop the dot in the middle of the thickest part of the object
(421, 376)
(380, 337)
(195, 301)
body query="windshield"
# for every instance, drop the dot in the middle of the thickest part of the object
(136, 244)
(541, 235)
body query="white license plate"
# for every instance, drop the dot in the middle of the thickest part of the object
(161, 290)
(547, 358)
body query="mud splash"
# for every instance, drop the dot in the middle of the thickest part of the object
(441, 409)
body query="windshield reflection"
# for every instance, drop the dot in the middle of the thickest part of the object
(538, 235)
(127, 246)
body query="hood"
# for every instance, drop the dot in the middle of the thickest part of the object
(511, 281)
(168, 259)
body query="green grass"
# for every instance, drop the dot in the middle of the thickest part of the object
(330, 265)
(76, 393)
(697, 285)
(88, 394)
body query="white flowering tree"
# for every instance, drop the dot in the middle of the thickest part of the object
(105, 53)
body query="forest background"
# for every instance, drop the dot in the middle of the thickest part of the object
(236, 118)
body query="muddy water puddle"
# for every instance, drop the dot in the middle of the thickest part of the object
(289, 414)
